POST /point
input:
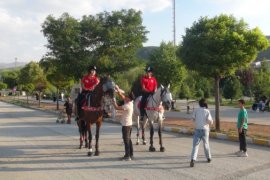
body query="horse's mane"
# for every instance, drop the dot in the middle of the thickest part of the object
(97, 93)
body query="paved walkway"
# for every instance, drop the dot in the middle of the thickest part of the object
(33, 146)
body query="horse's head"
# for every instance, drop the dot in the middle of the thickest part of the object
(166, 97)
(108, 86)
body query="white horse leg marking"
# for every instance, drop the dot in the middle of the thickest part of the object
(138, 129)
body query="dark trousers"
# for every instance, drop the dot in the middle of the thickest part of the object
(145, 95)
(242, 140)
(126, 132)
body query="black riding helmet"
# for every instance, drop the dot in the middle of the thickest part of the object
(92, 68)
(148, 69)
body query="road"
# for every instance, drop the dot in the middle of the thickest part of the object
(33, 146)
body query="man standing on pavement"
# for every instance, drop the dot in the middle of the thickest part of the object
(202, 118)
(242, 126)
(126, 121)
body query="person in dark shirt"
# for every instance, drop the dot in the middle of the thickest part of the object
(68, 106)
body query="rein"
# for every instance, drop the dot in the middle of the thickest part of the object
(154, 108)
(159, 108)
(86, 108)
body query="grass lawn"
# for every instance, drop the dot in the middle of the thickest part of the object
(233, 103)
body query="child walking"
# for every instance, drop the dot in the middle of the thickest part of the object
(126, 121)
(202, 118)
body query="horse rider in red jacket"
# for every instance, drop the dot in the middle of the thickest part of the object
(88, 83)
(149, 86)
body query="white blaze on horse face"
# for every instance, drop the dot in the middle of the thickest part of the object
(170, 96)
(167, 97)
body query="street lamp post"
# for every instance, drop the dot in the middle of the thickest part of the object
(16, 62)
(174, 28)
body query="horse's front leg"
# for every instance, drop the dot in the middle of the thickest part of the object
(79, 123)
(97, 138)
(151, 148)
(143, 128)
(138, 130)
(160, 123)
(85, 135)
(90, 152)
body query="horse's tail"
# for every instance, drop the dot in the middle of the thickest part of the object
(136, 109)
(75, 110)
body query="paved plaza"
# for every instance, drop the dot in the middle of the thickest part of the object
(33, 146)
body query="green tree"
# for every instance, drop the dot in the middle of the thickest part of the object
(246, 79)
(28, 88)
(185, 92)
(3, 85)
(10, 77)
(114, 38)
(55, 77)
(31, 76)
(168, 69)
(232, 88)
(217, 47)
(64, 44)
(261, 81)
(108, 40)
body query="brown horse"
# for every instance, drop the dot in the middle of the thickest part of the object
(93, 114)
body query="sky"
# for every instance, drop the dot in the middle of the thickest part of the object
(20, 20)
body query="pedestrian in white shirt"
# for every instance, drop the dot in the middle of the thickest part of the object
(202, 118)
(126, 121)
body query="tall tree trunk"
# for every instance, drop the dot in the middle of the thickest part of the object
(39, 98)
(57, 97)
(27, 99)
(217, 103)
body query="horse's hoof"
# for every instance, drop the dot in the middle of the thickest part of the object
(80, 147)
(97, 153)
(86, 145)
(162, 149)
(137, 143)
(89, 153)
(144, 142)
(152, 149)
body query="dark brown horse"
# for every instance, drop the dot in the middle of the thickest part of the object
(93, 114)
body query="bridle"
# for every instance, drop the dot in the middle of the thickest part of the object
(155, 104)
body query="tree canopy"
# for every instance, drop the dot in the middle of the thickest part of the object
(232, 88)
(32, 77)
(168, 69)
(10, 78)
(108, 40)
